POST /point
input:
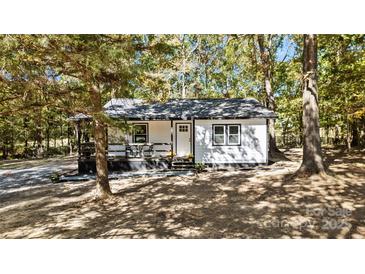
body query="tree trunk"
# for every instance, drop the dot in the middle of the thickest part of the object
(54, 138)
(337, 135)
(47, 135)
(348, 133)
(355, 140)
(270, 100)
(78, 137)
(183, 91)
(327, 135)
(38, 134)
(285, 130)
(312, 155)
(69, 142)
(102, 181)
(5, 151)
(206, 78)
(12, 143)
(61, 134)
(25, 126)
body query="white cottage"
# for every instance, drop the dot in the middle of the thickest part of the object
(181, 133)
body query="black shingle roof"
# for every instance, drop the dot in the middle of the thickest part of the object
(187, 109)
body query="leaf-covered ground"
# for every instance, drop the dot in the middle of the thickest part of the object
(257, 203)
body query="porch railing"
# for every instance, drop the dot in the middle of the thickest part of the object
(131, 150)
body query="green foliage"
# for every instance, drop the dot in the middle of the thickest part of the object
(199, 167)
(46, 78)
(55, 177)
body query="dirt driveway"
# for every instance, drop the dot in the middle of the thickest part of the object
(258, 203)
(16, 175)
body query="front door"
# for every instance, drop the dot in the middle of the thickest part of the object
(183, 139)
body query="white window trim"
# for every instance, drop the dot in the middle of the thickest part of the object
(134, 134)
(224, 135)
(238, 134)
(226, 129)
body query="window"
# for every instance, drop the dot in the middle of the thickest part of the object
(219, 135)
(183, 128)
(140, 134)
(233, 135)
(226, 135)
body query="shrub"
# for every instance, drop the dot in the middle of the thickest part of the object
(55, 177)
(199, 167)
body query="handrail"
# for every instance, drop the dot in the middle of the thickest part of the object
(131, 150)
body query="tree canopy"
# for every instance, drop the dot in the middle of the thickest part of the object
(50, 75)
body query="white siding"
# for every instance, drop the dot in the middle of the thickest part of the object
(159, 131)
(253, 148)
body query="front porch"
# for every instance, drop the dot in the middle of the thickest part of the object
(133, 156)
(142, 145)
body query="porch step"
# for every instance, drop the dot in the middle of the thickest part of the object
(182, 165)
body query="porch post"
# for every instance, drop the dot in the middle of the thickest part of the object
(172, 137)
(78, 128)
(69, 136)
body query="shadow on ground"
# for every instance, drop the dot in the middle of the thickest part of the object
(260, 203)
